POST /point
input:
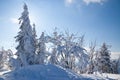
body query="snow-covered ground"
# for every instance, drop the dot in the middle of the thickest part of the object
(113, 76)
(39, 72)
(103, 76)
(51, 72)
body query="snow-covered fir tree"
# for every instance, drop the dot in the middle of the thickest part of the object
(118, 65)
(25, 39)
(5, 56)
(103, 59)
(2, 58)
(114, 66)
(41, 50)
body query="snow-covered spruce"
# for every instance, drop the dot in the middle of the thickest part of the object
(41, 50)
(103, 60)
(5, 57)
(25, 39)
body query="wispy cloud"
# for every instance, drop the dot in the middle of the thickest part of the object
(69, 2)
(93, 1)
(14, 20)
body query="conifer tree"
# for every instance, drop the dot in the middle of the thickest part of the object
(103, 59)
(25, 39)
(41, 52)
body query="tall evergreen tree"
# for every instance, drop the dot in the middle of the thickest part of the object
(25, 39)
(118, 65)
(41, 52)
(103, 59)
(5, 56)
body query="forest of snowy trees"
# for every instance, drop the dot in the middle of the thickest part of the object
(63, 49)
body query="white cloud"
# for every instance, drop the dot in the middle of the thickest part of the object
(68, 2)
(14, 20)
(93, 1)
(115, 55)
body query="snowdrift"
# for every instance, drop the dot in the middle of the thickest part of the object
(46, 72)
(40, 72)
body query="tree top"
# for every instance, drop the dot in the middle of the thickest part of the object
(25, 6)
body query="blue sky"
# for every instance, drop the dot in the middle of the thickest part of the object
(98, 19)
